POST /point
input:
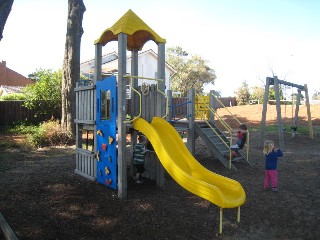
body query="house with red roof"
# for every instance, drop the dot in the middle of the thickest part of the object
(11, 81)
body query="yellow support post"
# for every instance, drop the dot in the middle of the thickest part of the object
(238, 217)
(220, 225)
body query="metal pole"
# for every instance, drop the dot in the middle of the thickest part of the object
(190, 114)
(212, 102)
(238, 216)
(161, 102)
(220, 225)
(122, 112)
(97, 63)
(170, 101)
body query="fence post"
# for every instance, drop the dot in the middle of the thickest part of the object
(191, 116)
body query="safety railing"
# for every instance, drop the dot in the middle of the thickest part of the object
(227, 129)
(140, 97)
(173, 117)
(247, 145)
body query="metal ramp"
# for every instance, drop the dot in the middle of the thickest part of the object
(217, 142)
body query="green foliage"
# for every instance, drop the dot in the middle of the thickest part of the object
(243, 94)
(13, 96)
(20, 127)
(45, 95)
(191, 71)
(257, 94)
(50, 133)
(316, 95)
(272, 94)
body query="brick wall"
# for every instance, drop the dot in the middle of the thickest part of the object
(9, 77)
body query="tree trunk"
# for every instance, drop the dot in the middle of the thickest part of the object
(5, 9)
(71, 64)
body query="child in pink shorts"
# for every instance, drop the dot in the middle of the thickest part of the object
(271, 161)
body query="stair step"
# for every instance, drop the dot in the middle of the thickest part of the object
(216, 141)
(237, 159)
(219, 143)
(225, 153)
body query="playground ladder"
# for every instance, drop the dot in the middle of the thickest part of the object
(218, 144)
(218, 141)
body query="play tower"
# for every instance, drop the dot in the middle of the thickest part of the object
(102, 106)
(107, 114)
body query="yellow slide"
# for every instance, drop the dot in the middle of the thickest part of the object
(185, 169)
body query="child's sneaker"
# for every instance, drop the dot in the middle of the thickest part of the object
(138, 181)
(274, 189)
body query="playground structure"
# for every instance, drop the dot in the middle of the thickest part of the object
(103, 111)
(276, 83)
(202, 120)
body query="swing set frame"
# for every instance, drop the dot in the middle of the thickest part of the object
(276, 82)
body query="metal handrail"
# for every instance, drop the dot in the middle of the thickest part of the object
(222, 140)
(248, 133)
(227, 127)
(140, 101)
(225, 108)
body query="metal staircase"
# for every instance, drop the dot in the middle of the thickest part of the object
(218, 143)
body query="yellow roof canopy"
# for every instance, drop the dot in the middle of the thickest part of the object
(138, 33)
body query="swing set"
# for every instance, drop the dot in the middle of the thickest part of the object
(286, 101)
(281, 127)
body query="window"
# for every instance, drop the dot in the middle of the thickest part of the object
(105, 105)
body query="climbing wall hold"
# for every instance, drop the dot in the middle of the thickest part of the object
(108, 181)
(104, 146)
(98, 156)
(110, 140)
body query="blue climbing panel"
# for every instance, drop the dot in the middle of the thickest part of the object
(106, 92)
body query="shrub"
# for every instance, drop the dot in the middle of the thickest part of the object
(50, 133)
(45, 95)
(13, 96)
(19, 127)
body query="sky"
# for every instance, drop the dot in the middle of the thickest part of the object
(242, 40)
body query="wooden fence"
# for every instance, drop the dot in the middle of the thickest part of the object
(13, 111)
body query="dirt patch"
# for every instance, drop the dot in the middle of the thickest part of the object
(12, 138)
(42, 198)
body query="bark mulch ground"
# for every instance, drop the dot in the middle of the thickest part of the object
(42, 198)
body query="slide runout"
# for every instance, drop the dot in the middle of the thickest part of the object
(197, 170)
(185, 169)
